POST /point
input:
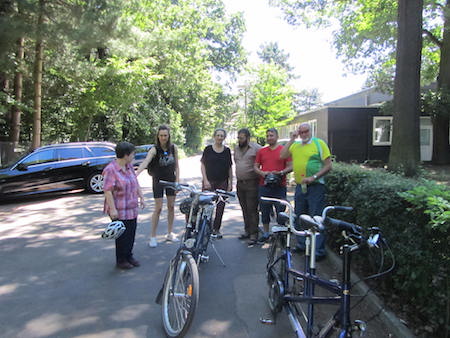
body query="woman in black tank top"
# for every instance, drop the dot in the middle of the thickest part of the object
(162, 163)
(217, 173)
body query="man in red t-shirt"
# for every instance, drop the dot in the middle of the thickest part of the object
(268, 161)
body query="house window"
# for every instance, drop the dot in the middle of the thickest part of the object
(382, 131)
(313, 124)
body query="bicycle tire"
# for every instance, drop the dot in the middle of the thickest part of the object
(277, 249)
(276, 268)
(203, 236)
(180, 296)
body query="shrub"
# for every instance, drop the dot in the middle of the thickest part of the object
(414, 216)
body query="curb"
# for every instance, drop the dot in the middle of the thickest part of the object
(386, 316)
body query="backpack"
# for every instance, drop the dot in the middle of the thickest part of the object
(152, 165)
(155, 160)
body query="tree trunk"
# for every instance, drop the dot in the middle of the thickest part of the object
(405, 150)
(37, 77)
(441, 123)
(16, 111)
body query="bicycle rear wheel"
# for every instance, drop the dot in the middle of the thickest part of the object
(180, 296)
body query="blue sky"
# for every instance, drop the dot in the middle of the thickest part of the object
(311, 52)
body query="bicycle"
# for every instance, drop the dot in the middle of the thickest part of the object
(180, 292)
(294, 290)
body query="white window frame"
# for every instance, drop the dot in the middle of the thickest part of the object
(313, 124)
(374, 140)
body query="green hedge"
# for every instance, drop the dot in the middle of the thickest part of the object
(414, 216)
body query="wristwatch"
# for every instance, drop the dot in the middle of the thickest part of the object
(315, 177)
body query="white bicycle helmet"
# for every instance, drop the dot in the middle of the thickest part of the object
(113, 230)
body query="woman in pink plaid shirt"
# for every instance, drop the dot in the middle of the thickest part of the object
(122, 198)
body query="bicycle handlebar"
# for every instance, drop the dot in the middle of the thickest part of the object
(342, 225)
(318, 222)
(192, 188)
(226, 193)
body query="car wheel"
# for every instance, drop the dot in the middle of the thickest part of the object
(94, 183)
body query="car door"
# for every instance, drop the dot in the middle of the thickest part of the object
(30, 174)
(72, 167)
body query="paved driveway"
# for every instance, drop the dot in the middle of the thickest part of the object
(58, 277)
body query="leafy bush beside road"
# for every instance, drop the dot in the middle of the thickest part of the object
(414, 215)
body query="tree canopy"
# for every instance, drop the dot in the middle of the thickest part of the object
(115, 69)
(365, 37)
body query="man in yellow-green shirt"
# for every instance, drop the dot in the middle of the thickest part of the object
(311, 161)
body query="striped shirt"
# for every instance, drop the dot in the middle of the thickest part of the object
(124, 187)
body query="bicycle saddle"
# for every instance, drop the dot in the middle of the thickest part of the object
(283, 218)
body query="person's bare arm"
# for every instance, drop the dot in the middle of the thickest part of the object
(288, 168)
(151, 153)
(230, 179)
(285, 152)
(112, 211)
(257, 169)
(177, 167)
(206, 183)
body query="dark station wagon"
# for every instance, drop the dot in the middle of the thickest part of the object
(59, 167)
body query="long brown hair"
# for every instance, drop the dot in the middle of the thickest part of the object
(163, 127)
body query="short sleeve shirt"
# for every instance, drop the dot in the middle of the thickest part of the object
(270, 160)
(244, 161)
(307, 159)
(124, 187)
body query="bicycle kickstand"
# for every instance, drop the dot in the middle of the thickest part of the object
(217, 254)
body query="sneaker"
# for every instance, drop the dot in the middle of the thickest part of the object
(217, 235)
(264, 238)
(252, 242)
(172, 237)
(152, 243)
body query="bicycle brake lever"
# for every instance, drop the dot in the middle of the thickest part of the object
(372, 241)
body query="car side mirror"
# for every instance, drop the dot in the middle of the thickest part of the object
(22, 167)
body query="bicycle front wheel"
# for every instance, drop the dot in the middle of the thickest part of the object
(276, 270)
(180, 296)
(202, 241)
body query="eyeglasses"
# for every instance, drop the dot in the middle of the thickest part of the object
(304, 131)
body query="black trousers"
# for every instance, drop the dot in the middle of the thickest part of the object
(124, 244)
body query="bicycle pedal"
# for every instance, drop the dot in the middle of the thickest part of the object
(361, 326)
(267, 321)
(204, 258)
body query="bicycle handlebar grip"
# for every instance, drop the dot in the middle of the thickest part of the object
(342, 225)
(342, 208)
(174, 185)
(224, 192)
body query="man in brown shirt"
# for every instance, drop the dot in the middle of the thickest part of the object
(247, 183)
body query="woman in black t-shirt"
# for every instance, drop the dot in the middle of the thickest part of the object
(162, 159)
(217, 173)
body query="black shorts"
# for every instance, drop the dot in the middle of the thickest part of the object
(158, 190)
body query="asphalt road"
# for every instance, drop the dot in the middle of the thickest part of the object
(58, 277)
